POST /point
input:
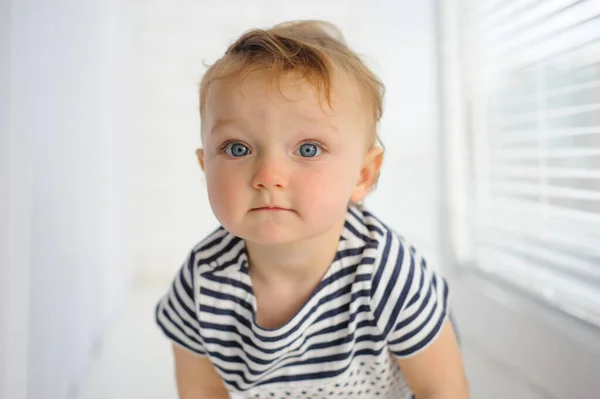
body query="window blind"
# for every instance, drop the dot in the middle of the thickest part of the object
(533, 102)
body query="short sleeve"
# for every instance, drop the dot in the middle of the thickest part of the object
(176, 311)
(409, 298)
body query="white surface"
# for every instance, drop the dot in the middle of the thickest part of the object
(491, 380)
(135, 360)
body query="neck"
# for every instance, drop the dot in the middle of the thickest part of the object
(298, 261)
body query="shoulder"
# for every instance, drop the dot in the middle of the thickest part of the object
(375, 233)
(390, 254)
(395, 266)
(218, 250)
(404, 289)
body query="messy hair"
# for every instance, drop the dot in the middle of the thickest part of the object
(313, 49)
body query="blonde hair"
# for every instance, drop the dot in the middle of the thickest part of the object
(311, 48)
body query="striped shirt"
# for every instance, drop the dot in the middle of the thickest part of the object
(378, 301)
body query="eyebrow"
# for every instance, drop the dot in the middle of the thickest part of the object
(242, 123)
(319, 122)
(225, 122)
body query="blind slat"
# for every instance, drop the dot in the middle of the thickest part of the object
(538, 172)
(526, 54)
(523, 136)
(549, 113)
(546, 191)
(530, 13)
(574, 17)
(542, 234)
(550, 94)
(567, 261)
(510, 208)
(495, 17)
(547, 153)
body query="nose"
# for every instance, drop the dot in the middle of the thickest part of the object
(270, 174)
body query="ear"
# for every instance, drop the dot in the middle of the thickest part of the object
(369, 174)
(200, 156)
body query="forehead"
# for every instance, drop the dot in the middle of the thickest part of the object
(262, 94)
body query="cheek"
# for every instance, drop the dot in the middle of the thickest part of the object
(223, 187)
(330, 183)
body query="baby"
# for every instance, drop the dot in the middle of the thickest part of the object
(302, 293)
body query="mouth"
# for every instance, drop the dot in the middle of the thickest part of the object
(270, 208)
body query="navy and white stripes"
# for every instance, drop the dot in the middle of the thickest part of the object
(379, 297)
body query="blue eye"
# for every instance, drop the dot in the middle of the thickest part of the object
(237, 150)
(309, 150)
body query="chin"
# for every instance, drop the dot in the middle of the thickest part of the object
(270, 236)
(277, 228)
(267, 241)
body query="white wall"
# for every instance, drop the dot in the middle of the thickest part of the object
(175, 38)
(66, 154)
(4, 196)
(15, 221)
(409, 191)
(4, 171)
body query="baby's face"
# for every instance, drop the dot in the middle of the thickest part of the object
(282, 168)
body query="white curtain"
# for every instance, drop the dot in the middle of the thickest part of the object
(67, 148)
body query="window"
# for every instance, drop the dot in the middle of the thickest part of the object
(532, 106)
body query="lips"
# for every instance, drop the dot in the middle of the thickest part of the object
(270, 208)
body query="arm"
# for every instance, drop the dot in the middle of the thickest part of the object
(197, 377)
(437, 372)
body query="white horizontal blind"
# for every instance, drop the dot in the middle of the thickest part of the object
(534, 111)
